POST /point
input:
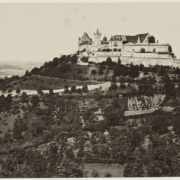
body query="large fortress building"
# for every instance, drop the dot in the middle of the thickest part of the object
(138, 49)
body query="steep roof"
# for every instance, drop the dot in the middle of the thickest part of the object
(104, 42)
(131, 38)
(104, 38)
(86, 35)
(116, 38)
(85, 43)
(134, 39)
(142, 36)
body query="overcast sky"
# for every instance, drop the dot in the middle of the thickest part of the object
(40, 32)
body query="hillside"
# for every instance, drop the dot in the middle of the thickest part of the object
(126, 126)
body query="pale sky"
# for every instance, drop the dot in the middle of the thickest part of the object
(40, 32)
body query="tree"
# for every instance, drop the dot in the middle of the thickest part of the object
(111, 114)
(122, 86)
(73, 89)
(18, 91)
(169, 88)
(74, 59)
(10, 90)
(51, 91)
(24, 95)
(80, 153)
(134, 169)
(79, 90)
(85, 89)
(9, 98)
(113, 86)
(97, 94)
(95, 149)
(93, 71)
(69, 153)
(115, 102)
(17, 132)
(34, 100)
(94, 173)
(37, 128)
(170, 48)
(117, 71)
(142, 50)
(66, 89)
(145, 71)
(119, 62)
(107, 175)
(27, 73)
(79, 71)
(151, 39)
(109, 61)
(161, 72)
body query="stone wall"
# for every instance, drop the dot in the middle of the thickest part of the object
(132, 113)
(147, 47)
(135, 60)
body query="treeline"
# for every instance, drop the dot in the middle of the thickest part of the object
(54, 67)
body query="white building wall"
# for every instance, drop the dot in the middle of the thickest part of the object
(111, 44)
(147, 47)
(87, 47)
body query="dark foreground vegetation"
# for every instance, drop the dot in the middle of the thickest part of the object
(52, 135)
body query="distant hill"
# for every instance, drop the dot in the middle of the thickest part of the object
(5, 67)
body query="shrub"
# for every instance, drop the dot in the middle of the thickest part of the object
(51, 91)
(93, 71)
(122, 86)
(79, 71)
(10, 90)
(142, 50)
(80, 153)
(85, 88)
(107, 175)
(18, 91)
(101, 72)
(79, 90)
(34, 100)
(66, 90)
(73, 88)
(95, 173)
(24, 95)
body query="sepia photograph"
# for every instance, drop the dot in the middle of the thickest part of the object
(89, 89)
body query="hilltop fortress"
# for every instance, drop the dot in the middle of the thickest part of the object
(138, 49)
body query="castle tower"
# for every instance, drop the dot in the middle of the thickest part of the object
(97, 37)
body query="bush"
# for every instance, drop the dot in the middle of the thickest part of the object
(107, 175)
(39, 112)
(79, 90)
(24, 95)
(10, 90)
(122, 86)
(85, 89)
(101, 72)
(142, 50)
(79, 71)
(80, 153)
(93, 71)
(34, 100)
(66, 89)
(95, 173)
(51, 91)
(73, 89)
(18, 91)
